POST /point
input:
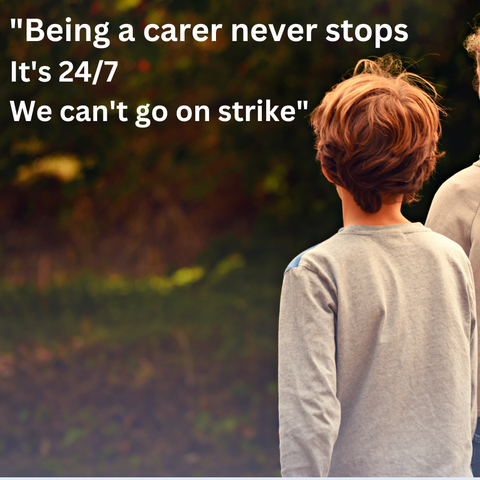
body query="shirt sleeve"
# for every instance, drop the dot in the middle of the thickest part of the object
(453, 211)
(309, 411)
(473, 354)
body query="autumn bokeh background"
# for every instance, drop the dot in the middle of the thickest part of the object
(140, 269)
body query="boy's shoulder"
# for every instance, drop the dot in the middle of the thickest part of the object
(319, 252)
(351, 245)
(296, 261)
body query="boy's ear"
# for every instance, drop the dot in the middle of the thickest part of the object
(324, 171)
(478, 74)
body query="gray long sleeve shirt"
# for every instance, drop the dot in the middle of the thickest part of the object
(377, 349)
(455, 213)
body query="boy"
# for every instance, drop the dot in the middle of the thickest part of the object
(377, 333)
(455, 212)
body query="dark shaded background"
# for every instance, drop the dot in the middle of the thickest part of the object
(140, 269)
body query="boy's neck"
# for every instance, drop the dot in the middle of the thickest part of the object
(389, 213)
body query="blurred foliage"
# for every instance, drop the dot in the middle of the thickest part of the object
(90, 410)
(231, 307)
(130, 203)
(115, 237)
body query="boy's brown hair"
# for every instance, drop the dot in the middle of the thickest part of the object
(377, 133)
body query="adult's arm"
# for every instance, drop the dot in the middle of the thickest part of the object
(473, 348)
(455, 208)
(455, 213)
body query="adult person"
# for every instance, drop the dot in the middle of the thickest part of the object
(377, 329)
(455, 212)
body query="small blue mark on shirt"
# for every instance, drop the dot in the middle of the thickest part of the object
(295, 262)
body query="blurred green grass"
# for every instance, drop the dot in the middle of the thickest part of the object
(233, 305)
